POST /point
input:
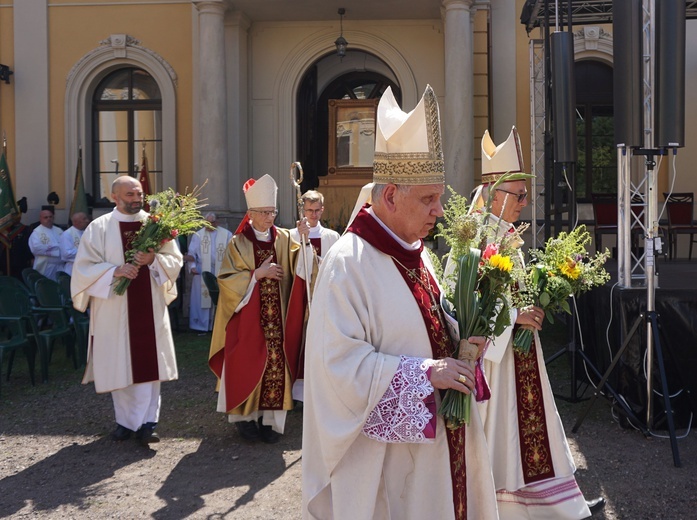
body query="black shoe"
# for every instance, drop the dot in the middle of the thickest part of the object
(146, 434)
(267, 434)
(248, 430)
(596, 505)
(121, 433)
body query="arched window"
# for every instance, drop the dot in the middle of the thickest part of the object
(127, 122)
(597, 156)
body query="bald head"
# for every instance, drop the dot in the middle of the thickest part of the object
(127, 193)
(46, 218)
(80, 220)
(124, 180)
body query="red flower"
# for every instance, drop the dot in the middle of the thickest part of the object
(491, 250)
(154, 218)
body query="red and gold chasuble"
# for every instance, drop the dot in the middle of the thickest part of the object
(141, 322)
(427, 295)
(271, 319)
(258, 351)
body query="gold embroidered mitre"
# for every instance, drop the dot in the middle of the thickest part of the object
(408, 147)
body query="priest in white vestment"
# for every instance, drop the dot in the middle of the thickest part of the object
(320, 239)
(531, 461)
(206, 249)
(44, 243)
(378, 352)
(131, 349)
(70, 240)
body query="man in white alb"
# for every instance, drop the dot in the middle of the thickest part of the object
(70, 240)
(206, 249)
(44, 243)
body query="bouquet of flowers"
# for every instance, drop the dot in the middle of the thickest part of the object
(563, 269)
(477, 282)
(171, 214)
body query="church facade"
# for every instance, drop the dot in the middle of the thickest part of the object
(220, 91)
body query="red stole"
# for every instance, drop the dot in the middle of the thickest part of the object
(317, 244)
(535, 454)
(141, 320)
(427, 295)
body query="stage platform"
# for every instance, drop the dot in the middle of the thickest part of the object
(608, 313)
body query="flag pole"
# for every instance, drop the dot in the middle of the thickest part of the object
(7, 246)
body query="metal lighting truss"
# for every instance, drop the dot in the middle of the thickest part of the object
(537, 124)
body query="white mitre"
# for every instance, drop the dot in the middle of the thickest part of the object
(260, 193)
(506, 158)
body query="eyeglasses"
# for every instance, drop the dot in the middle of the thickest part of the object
(266, 213)
(314, 211)
(521, 196)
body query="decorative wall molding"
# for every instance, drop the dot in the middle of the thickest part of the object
(118, 46)
(594, 43)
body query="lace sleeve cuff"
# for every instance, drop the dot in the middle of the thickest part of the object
(407, 411)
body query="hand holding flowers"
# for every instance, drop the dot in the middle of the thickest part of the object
(171, 214)
(478, 282)
(563, 269)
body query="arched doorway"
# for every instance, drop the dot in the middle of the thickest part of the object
(360, 79)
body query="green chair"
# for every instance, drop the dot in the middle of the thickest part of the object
(13, 283)
(16, 328)
(30, 276)
(55, 325)
(80, 320)
(63, 279)
(211, 282)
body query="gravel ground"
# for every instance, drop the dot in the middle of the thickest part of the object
(57, 460)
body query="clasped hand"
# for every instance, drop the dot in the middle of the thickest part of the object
(269, 270)
(130, 270)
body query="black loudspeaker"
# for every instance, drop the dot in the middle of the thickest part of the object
(669, 74)
(563, 97)
(627, 78)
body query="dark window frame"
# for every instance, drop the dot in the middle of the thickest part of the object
(131, 107)
(594, 97)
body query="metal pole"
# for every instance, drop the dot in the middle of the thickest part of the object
(624, 260)
(300, 204)
(650, 197)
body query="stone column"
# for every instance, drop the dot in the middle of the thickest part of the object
(31, 104)
(236, 51)
(212, 123)
(458, 116)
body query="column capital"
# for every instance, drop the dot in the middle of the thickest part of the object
(210, 6)
(238, 19)
(458, 4)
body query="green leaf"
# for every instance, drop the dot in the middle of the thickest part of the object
(564, 304)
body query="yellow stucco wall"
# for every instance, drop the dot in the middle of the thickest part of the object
(522, 79)
(480, 86)
(7, 94)
(163, 28)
